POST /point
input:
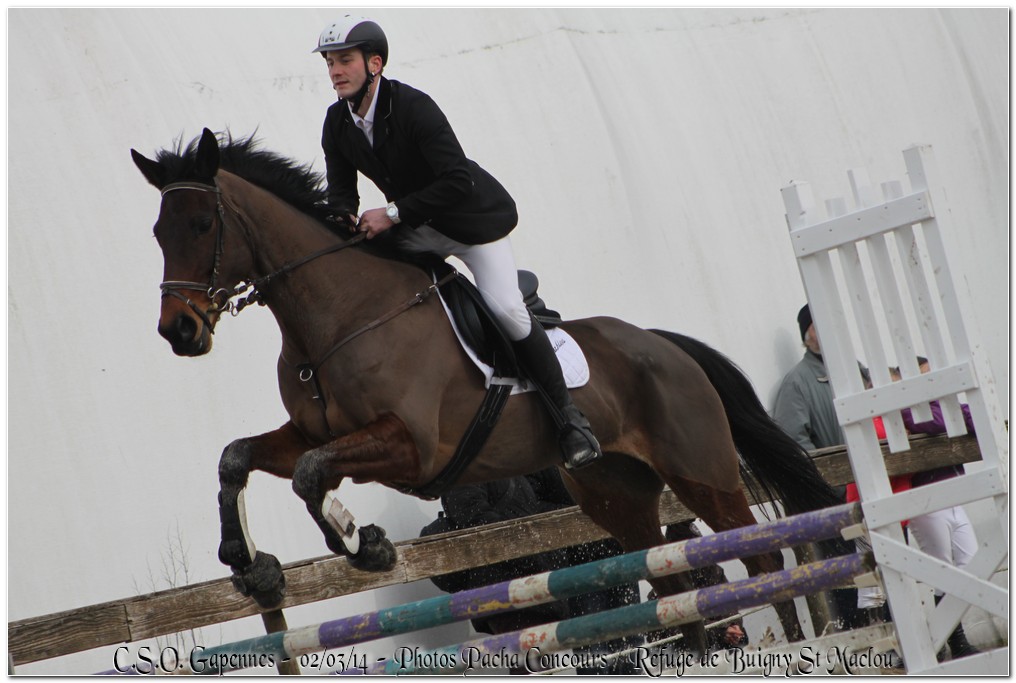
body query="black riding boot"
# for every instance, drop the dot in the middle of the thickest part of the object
(959, 646)
(536, 355)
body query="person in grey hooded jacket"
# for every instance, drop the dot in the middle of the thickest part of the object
(804, 402)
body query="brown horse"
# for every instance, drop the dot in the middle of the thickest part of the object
(389, 402)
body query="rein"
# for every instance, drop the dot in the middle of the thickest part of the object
(308, 370)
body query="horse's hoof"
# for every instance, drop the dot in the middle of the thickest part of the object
(262, 580)
(376, 553)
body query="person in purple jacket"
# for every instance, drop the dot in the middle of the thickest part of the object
(944, 534)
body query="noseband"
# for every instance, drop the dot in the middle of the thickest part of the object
(215, 294)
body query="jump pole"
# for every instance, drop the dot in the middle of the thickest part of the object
(673, 610)
(542, 588)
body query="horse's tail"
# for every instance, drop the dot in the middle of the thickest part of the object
(777, 464)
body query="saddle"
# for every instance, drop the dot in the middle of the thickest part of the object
(481, 332)
(476, 323)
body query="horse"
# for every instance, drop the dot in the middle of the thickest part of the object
(378, 389)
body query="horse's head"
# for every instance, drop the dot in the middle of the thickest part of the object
(191, 230)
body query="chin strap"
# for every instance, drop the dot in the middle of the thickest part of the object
(357, 99)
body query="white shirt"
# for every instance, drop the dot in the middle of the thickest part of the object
(366, 124)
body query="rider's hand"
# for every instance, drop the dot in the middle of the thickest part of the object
(347, 221)
(374, 222)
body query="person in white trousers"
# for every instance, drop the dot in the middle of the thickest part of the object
(945, 534)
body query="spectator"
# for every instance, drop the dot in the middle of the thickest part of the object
(804, 401)
(804, 409)
(871, 599)
(945, 534)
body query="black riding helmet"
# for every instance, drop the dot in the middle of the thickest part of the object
(350, 31)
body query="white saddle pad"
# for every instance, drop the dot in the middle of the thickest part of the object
(569, 355)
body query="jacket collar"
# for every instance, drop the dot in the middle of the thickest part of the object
(815, 363)
(382, 111)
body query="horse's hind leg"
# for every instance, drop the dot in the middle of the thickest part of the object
(384, 450)
(255, 573)
(722, 511)
(623, 497)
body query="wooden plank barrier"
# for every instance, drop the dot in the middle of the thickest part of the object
(211, 602)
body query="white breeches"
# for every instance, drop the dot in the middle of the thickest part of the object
(946, 535)
(492, 266)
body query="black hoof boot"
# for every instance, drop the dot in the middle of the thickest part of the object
(376, 553)
(578, 445)
(262, 580)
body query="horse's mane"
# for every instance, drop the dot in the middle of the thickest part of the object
(294, 183)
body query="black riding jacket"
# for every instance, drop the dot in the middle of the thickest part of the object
(417, 162)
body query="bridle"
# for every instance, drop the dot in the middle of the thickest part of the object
(174, 287)
(212, 291)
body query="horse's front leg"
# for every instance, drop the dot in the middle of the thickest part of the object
(382, 451)
(255, 573)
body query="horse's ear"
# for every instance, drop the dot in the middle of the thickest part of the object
(151, 170)
(206, 164)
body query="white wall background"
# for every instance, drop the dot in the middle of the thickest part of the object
(645, 148)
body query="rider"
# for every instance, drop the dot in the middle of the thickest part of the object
(441, 202)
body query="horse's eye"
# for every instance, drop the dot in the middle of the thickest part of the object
(201, 224)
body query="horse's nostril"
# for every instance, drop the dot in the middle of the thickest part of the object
(186, 328)
(181, 331)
